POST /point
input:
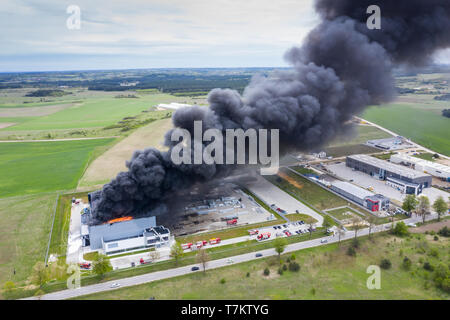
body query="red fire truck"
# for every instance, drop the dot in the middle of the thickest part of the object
(85, 265)
(264, 236)
(232, 222)
(214, 241)
(186, 246)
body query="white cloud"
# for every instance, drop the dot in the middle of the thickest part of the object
(203, 29)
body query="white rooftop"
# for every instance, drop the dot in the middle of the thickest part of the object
(351, 188)
(423, 162)
(394, 168)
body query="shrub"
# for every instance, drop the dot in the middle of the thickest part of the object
(248, 274)
(222, 281)
(266, 271)
(406, 263)
(294, 266)
(400, 229)
(434, 252)
(444, 232)
(285, 267)
(428, 266)
(280, 271)
(313, 291)
(436, 238)
(351, 251)
(385, 264)
(293, 256)
(355, 243)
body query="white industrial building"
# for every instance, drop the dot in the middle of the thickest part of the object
(435, 169)
(118, 236)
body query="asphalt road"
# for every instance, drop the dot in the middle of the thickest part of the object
(159, 275)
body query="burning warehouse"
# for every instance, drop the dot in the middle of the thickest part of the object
(123, 234)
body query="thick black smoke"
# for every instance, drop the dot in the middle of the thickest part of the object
(340, 69)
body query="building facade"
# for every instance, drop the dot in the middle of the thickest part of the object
(383, 170)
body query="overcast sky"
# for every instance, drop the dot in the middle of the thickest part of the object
(152, 33)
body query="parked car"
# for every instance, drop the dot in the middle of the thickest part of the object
(195, 268)
(114, 285)
(258, 255)
(323, 241)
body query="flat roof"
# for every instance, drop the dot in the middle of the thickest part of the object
(351, 188)
(423, 162)
(392, 167)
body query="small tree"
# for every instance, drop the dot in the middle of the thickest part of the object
(203, 258)
(440, 206)
(410, 203)
(310, 229)
(154, 255)
(385, 264)
(341, 232)
(101, 265)
(327, 222)
(423, 207)
(40, 274)
(406, 263)
(176, 251)
(400, 229)
(357, 225)
(279, 245)
(371, 220)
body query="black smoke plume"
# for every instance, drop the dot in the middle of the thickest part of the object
(341, 68)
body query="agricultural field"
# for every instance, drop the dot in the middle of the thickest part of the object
(110, 163)
(420, 122)
(326, 272)
(34, 167)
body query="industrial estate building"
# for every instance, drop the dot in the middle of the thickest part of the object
(363, 197)
(406, 180)
(435, 169)
(125, 234)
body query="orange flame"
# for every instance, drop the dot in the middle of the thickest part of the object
(120, 220)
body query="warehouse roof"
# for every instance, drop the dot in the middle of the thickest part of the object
(388, 166)
(352, 189)
(120, 230)
(425, 163)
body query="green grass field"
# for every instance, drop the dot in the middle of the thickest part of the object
(25, 224)
(326, 273)
(92, 113)
(421, 123)
(313, 194)
(34, 167)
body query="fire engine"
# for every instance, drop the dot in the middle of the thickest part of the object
(264, 236)
(145, 261)
(232, 222)
(214, 240)
(200, 244)
(186, 246)
(85, 265)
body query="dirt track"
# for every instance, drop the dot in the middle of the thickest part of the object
(431, 227)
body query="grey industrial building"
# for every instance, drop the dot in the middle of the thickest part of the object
(407, 180)
(122, 236)
(363, 197)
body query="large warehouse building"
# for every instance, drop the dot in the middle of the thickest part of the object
(407, 180)
(435, 169)
(363, 197)
(125, 234)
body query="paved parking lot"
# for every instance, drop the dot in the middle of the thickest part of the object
(271, 194)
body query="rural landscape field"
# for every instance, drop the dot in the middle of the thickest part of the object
(219, 152)
(53, 146)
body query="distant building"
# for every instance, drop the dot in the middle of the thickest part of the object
(384, 170)
(435, 169)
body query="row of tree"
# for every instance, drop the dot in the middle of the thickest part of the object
(421, 206)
